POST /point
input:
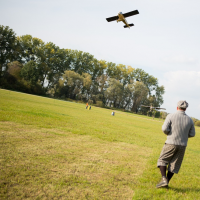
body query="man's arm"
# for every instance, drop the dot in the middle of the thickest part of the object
(166, 127)
(192, 131)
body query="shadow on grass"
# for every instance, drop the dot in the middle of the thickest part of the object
(184, 190)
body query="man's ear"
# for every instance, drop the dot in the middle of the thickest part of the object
(177, 108)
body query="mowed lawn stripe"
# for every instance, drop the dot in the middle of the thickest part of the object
(47, 163)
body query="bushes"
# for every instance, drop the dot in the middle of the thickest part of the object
(99, 104)
(197, 123)
(194, 119)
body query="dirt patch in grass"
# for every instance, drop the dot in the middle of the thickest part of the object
(51, 164)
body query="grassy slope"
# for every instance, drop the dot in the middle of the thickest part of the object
(57, 149)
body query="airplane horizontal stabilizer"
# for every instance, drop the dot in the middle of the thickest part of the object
(129, 25)
(110, 19)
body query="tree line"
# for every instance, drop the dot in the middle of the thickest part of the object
(30, 65)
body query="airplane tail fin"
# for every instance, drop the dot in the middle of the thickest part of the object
(129, 25)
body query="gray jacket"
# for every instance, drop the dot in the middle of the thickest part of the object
(178, 127)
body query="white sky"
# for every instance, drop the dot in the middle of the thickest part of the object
(164, 41)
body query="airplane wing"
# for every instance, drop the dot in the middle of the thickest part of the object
(145, 106)
(110, 19)
(135, 12)
(161, 108)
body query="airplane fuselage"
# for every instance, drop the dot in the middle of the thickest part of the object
(122, 18)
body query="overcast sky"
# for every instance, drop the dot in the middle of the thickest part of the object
(164, 41)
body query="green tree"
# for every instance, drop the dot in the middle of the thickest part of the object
(86, 93)
(159, 91)
(14, 69)
(30, 72)
(114, 92)
(76, 74)
(99, 87)
(139, 95)
(12, 77)
(9, 48)
(128, 92)
(99, 69)
(82, 62)
(150, 81)
(51, 60)
(56, 61)
(73, 85)
(118, 72)
(33, 50)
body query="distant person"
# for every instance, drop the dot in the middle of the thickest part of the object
(113, 113)
(86, 105)
(178, 127)
(90, 108)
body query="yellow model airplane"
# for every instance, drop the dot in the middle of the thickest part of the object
(121, 17)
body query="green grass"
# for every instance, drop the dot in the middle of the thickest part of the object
(51, 149)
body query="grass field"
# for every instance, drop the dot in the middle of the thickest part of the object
(52, 149)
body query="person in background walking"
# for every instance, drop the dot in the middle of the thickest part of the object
(178, 127)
